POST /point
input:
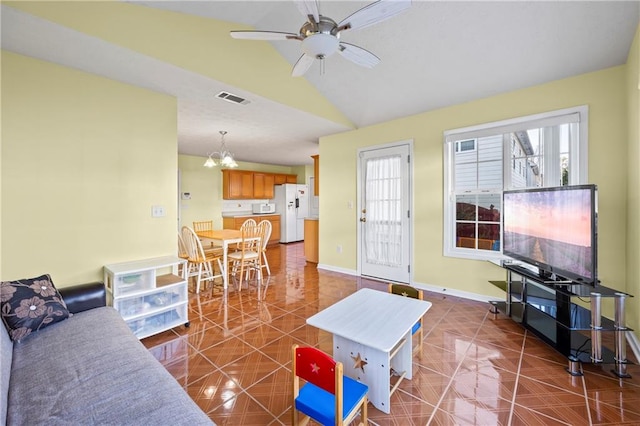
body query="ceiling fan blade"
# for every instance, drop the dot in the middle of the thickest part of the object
(373, 14)
(264, 35)
(303, 64)
(358, 55)
(309, 8)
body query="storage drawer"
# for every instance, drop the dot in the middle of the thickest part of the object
(150, 302)
(152, 324)
(132, 283)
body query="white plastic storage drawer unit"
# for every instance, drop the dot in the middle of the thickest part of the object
(150, 294)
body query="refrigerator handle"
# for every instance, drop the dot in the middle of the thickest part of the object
(297, 202)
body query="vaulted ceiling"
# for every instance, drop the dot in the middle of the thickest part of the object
(434, 55)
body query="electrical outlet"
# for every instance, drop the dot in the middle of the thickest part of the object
(339, 249)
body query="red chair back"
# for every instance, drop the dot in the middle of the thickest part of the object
(316, 367)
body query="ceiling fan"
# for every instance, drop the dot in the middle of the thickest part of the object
(320, 35)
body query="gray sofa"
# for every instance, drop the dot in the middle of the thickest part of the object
(88, 369)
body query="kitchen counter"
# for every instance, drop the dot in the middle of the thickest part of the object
(247, 214)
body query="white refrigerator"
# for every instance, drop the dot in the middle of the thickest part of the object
(292, 202)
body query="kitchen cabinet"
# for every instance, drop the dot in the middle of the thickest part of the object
(250, 185)
(311, 240)
(237, 184)
(263, 185)
(235, 222)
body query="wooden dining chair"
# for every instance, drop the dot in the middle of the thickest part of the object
(183, 253)
(265, 241)
(415, 293)
(328, 396)
(207, 225)
(199, 259)
(248, 256)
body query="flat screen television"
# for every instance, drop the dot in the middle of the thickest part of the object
(554, 229)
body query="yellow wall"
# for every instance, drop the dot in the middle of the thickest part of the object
(603, 92)
(83, 160)
(633, 190)
(205, 186)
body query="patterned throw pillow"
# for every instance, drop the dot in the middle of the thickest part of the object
(30, 305)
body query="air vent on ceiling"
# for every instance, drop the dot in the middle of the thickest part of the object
(232, 98)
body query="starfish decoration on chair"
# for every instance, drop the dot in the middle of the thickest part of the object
(359, 362)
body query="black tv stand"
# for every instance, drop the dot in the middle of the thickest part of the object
(545, 308)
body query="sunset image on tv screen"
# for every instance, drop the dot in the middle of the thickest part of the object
(551, 229)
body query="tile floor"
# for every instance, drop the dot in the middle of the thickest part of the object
(234, 359)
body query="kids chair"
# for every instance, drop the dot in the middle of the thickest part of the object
(327, 390)
(408, 291)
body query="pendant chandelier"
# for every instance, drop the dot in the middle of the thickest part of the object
(224, 157)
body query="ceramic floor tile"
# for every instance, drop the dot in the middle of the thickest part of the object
(250, 368)
(227, 351)
(235, 357)
(274, 392)
(261, 335)
(241, 410)
(212, 390)
(280, 349)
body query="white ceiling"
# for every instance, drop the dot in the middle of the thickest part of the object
(438, 53)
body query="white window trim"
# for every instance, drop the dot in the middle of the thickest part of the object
(579, 175)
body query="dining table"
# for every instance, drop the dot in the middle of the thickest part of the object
(223, 237)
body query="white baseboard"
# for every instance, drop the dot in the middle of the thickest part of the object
(634, 343)
(336, 269)
(454, 292)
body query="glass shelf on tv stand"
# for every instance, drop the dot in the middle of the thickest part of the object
(545, 308)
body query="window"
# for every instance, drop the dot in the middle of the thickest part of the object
(547, 149)
(468, 145)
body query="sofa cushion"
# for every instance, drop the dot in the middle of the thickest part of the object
(91, 369)
(30, 305)
(6, 355)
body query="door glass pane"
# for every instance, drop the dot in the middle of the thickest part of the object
(383, 204)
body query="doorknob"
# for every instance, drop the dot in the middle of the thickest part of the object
(363, 219)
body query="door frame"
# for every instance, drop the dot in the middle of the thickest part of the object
(409, 143)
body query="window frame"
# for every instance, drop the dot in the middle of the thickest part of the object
(578, 170)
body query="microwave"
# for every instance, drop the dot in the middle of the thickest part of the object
(264, 208)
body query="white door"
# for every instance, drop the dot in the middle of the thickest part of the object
(384, 206)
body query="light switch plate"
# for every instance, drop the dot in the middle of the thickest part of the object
(157, 211)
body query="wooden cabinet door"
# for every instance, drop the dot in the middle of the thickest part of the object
(237, 184)
(279, 179)
(275, 228)
(263, 185)
(292, 178)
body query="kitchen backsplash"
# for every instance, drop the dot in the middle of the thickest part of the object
(239, 206)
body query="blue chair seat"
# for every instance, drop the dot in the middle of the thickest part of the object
(320, 405)
(415, 328)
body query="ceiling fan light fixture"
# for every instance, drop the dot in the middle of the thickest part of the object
(320, 45)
